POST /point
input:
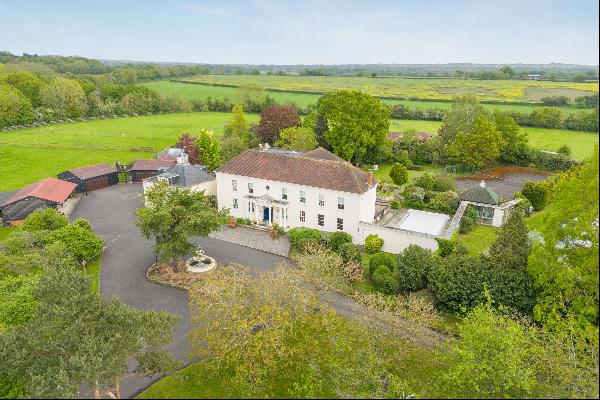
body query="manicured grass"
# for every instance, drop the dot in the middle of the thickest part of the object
(434, 88)
(191, 91)
(479, 239)
(93, 271)
(31, 154)
(5, 231)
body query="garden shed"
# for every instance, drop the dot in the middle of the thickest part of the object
(91, 177)
(47, 193)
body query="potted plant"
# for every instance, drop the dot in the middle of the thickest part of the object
(232, 223)
(274, 233)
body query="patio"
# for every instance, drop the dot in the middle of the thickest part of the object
(259, 239)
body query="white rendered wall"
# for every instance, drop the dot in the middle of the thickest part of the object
(396, 240)
(356, 206)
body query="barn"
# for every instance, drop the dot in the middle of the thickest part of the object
(91, 177)
(143, 169)
(47, 193)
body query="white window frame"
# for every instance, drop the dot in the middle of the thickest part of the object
(321, 200)
(250, 187)
(340, 223)
(341, 205)
(319, 218)
(302, 196)
(302, 216)
(234, 185)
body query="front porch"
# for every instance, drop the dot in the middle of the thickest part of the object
(265, 210)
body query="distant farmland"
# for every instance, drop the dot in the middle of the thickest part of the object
(192, 91)
(508, 91)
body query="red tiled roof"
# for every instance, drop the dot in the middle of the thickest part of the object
(92, 171)
(298, 169)
(50, 189)
(322, 154)
(152, 165)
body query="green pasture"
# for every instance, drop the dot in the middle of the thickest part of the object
(191, 91)
(31, 154)
(522, 91)
(28, 155)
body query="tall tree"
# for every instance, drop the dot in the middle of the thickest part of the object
(460, 117)
(27, 83)
(297, 138)
(66, 97)
(512, 247)
(239, 125)
(476, 147)
(209, 148)
(565, 264)
(274, 119)
(75, 338)
(15, 108)
(189, 146)
(274, 339)
(173, 216)
(514, 147)
(357, 123)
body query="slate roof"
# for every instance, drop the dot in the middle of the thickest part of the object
(92, 171)
(325, 172)
(152, 165)
(50, 189)
(480, 194)
(187, 175)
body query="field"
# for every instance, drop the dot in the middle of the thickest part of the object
(193, 91)
(28, 155)
(522, 91)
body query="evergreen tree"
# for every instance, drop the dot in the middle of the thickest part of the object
(512, 247)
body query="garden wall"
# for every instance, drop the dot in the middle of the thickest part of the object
(395, 240)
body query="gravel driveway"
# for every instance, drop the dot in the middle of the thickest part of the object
(111, 211)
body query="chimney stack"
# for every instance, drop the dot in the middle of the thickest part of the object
(370, 178)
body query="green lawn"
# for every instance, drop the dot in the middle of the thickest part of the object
(201, 92)
(479, 239)
(31, 154)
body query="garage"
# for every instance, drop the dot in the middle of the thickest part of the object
(143, 169)
(91, 177)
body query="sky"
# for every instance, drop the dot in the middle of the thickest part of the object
(306, 31)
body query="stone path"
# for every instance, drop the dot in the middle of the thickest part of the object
(254, 239)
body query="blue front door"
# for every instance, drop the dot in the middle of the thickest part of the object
(266, 213)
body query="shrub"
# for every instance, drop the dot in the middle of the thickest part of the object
(457, 283)
(424, 181)
(382, 259)
(399, 174)
(468, 220)
(445, 247)
(384, 280)
(46, 219)
(325, 238)
(353, 271)
(413, 265)
(349, 252)
(564, 150)
(551, 161)
(443, 183)
(337, 239)
(414, 197)
(373, 243)
(301, 233)
(444, 202)
(305, 244)
(524, 206)
(415, 167)
(537, 193)
(395, 204)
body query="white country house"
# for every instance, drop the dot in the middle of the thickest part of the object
(314, 189)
